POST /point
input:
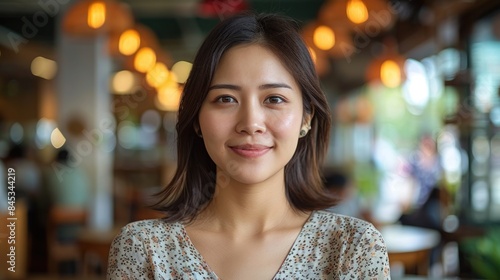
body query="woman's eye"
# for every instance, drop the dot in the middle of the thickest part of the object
(226, 99)
(275, 100)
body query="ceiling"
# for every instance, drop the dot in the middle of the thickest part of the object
(180, 28)
(176, 23)
(169, 19)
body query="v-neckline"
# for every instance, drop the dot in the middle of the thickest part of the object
(200, 257)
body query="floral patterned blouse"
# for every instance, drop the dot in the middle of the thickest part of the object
(329, 246)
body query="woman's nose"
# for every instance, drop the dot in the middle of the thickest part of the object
(251, 119)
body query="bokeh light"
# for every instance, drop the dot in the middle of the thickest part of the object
(129, 42)
(57, 139)
(16, 133)
(145, 59)
(128, 135)
(150, 121)
(123, 82)
(390, 74)
(182, 70)
(43, 67)
(356, 11)
(96, 15)
(416, 87)
(323, 37)
(43, 131)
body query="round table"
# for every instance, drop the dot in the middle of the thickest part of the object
(410, 246)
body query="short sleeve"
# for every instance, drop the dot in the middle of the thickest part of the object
(128, 257)
(371, 256)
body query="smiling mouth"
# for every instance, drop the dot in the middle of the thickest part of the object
(250, 151)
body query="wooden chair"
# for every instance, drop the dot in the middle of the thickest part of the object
(63, 251)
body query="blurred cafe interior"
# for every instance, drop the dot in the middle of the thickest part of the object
(89, 91)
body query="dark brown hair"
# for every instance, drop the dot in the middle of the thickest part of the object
(193, 184)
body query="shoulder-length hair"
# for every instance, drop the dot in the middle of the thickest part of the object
(193, 184)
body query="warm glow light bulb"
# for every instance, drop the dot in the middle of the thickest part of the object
(145, 59)
(323, 37)
(96, 15)
(129, 42)
(357, 11)
(157, 75)
(390, 74)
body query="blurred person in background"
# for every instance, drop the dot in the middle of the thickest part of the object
(425, 169)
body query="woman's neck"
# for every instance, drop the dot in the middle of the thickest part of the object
(242, 210)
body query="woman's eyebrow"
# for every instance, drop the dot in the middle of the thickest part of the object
(238, 88)
(224, 86)
(274, 85)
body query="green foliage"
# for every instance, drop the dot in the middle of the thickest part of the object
(366, 179)
(483, 254)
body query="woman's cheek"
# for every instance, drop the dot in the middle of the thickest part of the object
(287, 124)
(211, 123)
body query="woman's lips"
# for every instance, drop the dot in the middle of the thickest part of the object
(250, 151)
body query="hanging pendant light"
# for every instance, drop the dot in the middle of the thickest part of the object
(358, 14)
(144, 60)
(388, 67)
(390, 73)
(327, 40)
(93, 17)
(323, 37)
(96, 15)
(318, 56)
(356, 11)
(129, 41)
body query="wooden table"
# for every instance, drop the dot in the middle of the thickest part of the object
(410, 246)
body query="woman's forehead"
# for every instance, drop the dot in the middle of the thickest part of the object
(256, 61)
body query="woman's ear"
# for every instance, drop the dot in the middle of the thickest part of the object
(306, 124)
(306, 120)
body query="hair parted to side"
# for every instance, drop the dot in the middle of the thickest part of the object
(193, 184)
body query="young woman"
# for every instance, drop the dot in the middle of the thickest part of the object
(246, 199)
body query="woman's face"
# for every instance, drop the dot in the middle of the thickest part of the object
(252, 115)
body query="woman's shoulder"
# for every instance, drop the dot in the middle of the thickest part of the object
(329, 221)
(152, 227)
